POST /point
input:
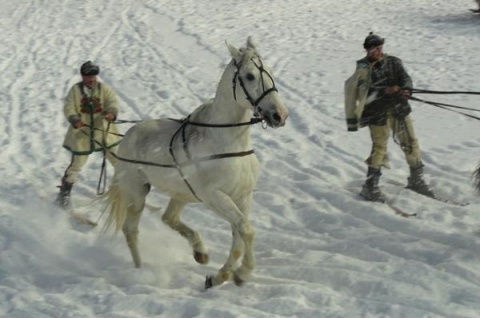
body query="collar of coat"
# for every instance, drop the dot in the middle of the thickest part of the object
(366, 63)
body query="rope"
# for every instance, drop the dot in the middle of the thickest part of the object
(425, 91)
(103, 170)
(447, 107)
(402, 125)
(119, 121)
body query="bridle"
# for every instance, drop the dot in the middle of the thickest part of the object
(265, 92)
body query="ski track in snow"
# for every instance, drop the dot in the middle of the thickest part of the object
(321, 252)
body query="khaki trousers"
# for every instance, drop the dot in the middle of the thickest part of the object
(78, 161)
(403, 133)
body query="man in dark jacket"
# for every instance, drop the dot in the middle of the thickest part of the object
(376, 95)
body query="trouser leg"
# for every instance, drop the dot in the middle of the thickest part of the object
(378, 156)
(405, 134)
(76, 165)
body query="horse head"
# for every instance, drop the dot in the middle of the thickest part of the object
(254, 86)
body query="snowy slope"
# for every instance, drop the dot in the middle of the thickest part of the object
(320, 251)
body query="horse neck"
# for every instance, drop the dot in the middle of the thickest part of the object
(224, 109)
(224, 105)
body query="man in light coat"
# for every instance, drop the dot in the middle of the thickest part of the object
(90, 108)
(376, 96)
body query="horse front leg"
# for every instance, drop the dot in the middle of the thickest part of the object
(242, 273)
(224, 206)
(171, 217)
(247, 235)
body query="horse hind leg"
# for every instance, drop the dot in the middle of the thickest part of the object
(130, 226)
(171, 217)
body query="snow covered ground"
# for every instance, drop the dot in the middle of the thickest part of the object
(320, 251)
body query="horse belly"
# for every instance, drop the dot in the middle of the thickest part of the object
(149, 142)
(236, 177)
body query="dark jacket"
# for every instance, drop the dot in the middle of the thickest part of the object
(365, 100)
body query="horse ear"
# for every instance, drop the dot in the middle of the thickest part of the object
(250, 43)
(234, 52)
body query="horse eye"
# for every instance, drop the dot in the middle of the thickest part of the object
(250, 77)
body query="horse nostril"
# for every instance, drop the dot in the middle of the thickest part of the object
(276, 118)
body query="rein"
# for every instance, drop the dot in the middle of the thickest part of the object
(425, 91)
(447, 107)
(102, 180)
(443, 105)
(182, 129)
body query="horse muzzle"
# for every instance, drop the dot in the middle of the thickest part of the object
(275, 117)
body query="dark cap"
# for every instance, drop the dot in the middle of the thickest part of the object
(89, 69)
(373, 40)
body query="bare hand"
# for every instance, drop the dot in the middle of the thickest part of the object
(109, 117)
(392, 89)
(79, 124)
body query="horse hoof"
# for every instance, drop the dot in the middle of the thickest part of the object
(200, 257)
(238, 281)
(208, 282)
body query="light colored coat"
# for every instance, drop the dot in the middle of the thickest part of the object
(356, 91)
(85, 140)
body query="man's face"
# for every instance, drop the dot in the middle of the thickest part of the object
(375, 53)
(90, 81)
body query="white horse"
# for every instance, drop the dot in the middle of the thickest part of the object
(206, 158)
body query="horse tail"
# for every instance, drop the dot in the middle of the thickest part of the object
(116, 204)
(476, 179)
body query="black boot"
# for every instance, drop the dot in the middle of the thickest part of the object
(416, 182)
(63, 198)
(370, 190)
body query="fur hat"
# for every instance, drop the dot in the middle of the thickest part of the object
(373, 40)
(89, 69)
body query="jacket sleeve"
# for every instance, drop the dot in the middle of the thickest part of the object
(404, 80)
(111, 104)
(69, 109)
(350, 91)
